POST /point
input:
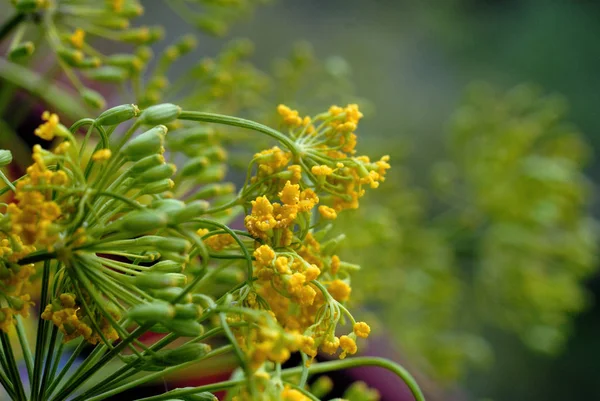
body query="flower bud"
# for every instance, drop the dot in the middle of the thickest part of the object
(213, 173)
(182, 354)
(93, 98)
(194, 166)
(191, 210)
(160, 114)
(164, 244)
(152, 312)
(5, 157)
(166, 266)
(142, 221)
(145, 144)
(153, 280)
(170, 294)
(157, 173)
(108, 73)
(112, 22)
(158, 187)
(184, 328)
(168, 205)
(27, 6)
(147, 163)
(214, 153)
(215, 189)
(21, 51)
(70, 56)
(89, 62)
(183, 138)
(129, 62)
(187, 311)
(204, 396)
(118, 115)
(176, 257)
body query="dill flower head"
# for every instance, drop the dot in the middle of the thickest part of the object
(71, 28)
(131, 243)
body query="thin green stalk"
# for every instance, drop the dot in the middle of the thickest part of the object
(12, 367)
(25, 347)
(65, 369)
(41, 333)
(10, 24)
(242, 123)
(323, 367)
(49, 358)
(157, 375)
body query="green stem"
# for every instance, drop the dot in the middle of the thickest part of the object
(40, 256)
(13, 370)
(323, 367)
(157, 375)
(41, 333)
(9, 25)
(242, 123)
(25, 347)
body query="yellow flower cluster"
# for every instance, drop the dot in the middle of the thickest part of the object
(275, 221)
(68, 317)
(48, 129)
(292, 117)
(328, 156)
(271, 161)
(33, 214)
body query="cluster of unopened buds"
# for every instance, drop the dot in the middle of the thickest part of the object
(125, 243)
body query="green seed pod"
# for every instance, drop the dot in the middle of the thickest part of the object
(204, 396)
(131, 10)
(215, 189)
(166, 266)
(171, 293)
(5, 157)
(144, 53)
(21, 51)
(70, 56)
(147, 163)
(187, 311)
(214, 153)
(152, 312)
(166, 244)
(108, 73)
(153, 280)
(229, 277)
(194, 166)
(191, 210)
(183, 138)
(112, 22)
(321, 387)
(182, 354)
(213, 173)
(130, 62)
(145, 144)
(187, 43)
(176, 257)
(89, 62)
(93, 98)
(118, 115)
(142, 221)
(184, 328)
(157, 173)
(167, 205)
(160, 114)
(158, 187)
(27, 6)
